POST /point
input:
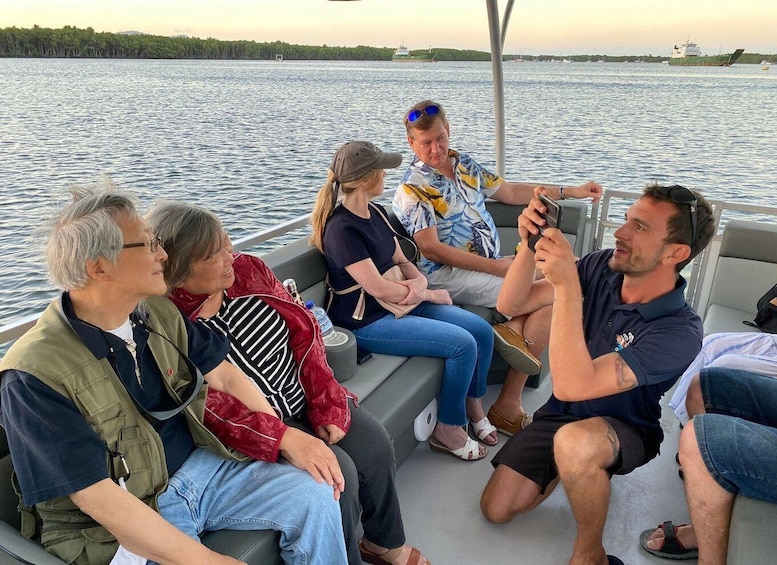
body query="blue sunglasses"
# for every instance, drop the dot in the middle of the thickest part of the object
(431, 110)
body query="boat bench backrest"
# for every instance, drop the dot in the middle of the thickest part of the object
(747, 264)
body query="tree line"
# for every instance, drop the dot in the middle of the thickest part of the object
(71, 41)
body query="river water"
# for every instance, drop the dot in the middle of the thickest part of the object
(252, 139)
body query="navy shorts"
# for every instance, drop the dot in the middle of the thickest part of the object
(530, 452)
(737, 437)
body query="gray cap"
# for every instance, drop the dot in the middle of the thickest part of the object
(356, 159)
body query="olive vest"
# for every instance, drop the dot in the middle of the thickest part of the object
(52, 352)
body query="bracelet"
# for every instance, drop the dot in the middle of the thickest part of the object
(561, 188)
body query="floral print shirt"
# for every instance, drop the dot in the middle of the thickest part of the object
(457, 207)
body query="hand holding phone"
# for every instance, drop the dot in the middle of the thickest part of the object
(552, 217)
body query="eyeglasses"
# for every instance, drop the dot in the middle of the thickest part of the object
(681, 195)
(431, 110)
(153, 244)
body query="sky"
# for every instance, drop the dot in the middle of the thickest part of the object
(565, 27)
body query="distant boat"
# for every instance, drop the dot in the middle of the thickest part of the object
(689, 54)
(403, 55)
(279, 57)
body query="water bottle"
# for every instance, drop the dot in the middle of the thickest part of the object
(328, 332)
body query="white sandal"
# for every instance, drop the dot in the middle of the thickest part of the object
(483, 429)
(470, 451)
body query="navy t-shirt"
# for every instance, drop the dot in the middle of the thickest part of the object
(658, 340)
(349, 239)
(54, 450)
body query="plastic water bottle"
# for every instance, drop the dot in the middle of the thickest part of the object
(328, 332)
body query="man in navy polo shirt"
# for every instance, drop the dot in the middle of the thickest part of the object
(621, 334)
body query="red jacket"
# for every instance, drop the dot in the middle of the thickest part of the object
(258, 434)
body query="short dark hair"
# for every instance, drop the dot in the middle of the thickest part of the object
(680, 226)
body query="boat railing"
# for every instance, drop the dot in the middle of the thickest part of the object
(599, 227)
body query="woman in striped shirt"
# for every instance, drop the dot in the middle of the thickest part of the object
(277, 342)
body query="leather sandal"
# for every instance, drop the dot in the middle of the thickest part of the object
(508, 427)
(387, 556)
(470, 451)
(483, 430)
(671, 548)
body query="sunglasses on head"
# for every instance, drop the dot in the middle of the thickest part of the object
(681, 195)
(431, 110)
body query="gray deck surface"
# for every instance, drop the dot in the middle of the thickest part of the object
(440, 506)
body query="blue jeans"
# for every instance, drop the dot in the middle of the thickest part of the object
(463, 339)
(737, 436)
(208, 493)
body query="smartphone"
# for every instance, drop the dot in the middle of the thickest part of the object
(552, 217)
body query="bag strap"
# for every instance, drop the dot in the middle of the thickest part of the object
(358, 312)
(410, 240)
(30, 524)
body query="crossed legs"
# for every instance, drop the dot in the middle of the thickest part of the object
(535, 327)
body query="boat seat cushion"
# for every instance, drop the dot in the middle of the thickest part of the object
(751, 534)
(745, 270)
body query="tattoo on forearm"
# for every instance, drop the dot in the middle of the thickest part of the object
(624, 377)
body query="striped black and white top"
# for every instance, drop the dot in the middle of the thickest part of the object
(259, 346)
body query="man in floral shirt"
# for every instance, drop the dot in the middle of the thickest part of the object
(441, 204)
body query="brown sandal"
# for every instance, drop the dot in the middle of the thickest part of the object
(386, 557)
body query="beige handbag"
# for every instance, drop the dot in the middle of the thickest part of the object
(393, 274)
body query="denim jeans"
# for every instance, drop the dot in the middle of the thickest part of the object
(463, 339)
(209, 493)
(737, 436)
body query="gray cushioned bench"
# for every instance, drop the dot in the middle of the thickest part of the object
(745, 270)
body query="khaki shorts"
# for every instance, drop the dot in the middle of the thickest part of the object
(467, 287)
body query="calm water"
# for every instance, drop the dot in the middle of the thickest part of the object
(252, 140)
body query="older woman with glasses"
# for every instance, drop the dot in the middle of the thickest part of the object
(277, 342)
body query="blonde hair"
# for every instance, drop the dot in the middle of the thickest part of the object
(327, 200)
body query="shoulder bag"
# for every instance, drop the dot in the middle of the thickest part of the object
(766, 317)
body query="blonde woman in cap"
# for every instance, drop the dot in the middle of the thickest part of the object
(360, 247)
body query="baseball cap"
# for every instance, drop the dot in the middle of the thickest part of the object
(356, 159)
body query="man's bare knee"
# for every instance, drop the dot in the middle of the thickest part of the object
(507, 493)
(582, 447)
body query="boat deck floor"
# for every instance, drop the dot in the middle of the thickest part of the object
(440, 499)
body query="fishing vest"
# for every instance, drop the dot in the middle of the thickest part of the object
(53, 353)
